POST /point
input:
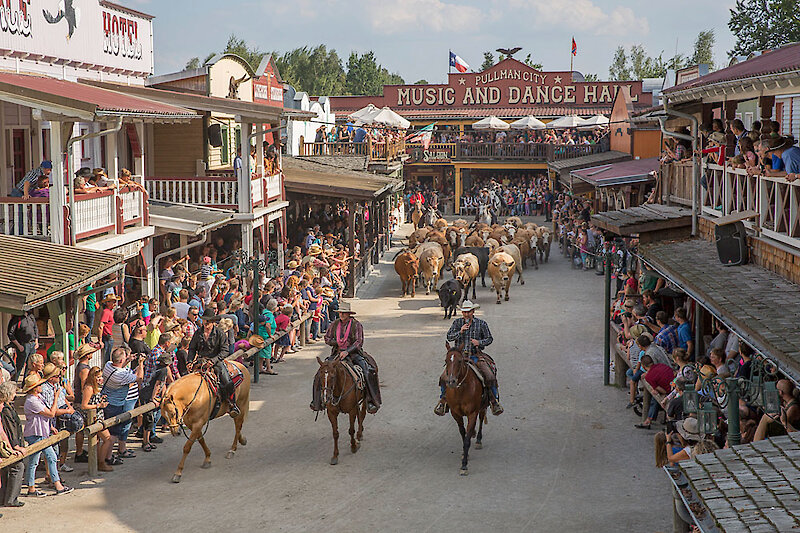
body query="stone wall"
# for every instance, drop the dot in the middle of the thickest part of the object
(766, 253)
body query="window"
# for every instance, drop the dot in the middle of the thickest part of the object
(225, 155)
(748, 121)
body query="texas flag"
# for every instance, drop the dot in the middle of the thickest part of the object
(459, 64)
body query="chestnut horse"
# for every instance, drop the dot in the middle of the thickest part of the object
(465, 398)
(189, 402)
(341, 395)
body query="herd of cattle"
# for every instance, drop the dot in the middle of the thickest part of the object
(469, 251)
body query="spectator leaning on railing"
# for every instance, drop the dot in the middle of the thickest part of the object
(12, 442)
(122, 391)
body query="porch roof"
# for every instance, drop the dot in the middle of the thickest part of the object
(187, 219)
(78, 101)
(310, 177)
(33, 272)
(621, 173)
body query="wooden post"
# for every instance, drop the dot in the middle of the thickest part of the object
(607, 321)
(91, 418)
(303, 333)
(351, 242)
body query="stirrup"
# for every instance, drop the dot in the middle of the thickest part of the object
(441, 408)
(234, 410)
(372, 408)
(497, 409)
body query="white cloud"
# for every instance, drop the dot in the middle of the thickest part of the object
(395, 16)
(583, 15)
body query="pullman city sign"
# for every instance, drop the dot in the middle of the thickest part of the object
(508, 84)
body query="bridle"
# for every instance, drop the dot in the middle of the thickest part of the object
(463, 372)
(179, 421)
(328, 390)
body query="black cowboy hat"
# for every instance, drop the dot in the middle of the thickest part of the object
(209, 316)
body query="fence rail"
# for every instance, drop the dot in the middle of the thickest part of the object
(211, 191)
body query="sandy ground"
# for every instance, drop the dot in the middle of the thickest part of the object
(564, 457)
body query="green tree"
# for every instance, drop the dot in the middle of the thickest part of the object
(192, 63)
(591, 77)
(421, 82)
(488, 61)
(704, 49)
(364, 75)
(764, 24)
(317, 71)
(619, 69)
(528, 61)
(238, 46)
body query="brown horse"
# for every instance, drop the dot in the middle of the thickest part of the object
(416, 214)
(464, 395)
(189, 402)
(341, 395)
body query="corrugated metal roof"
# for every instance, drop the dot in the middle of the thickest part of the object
(588, 160)
(34, 272)
(185, 218)
(40, 87)
(618, 173)
(311, 177)
(784, 59)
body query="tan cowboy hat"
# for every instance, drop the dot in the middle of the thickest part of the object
(688, 429)
(315, 249)
(469, 306)
(50, 370)
(86, 348)
(256, 341)
(32, 381)
(292, 265)
(637, 330)
(110, 298)
(344, 307)
(327, 291)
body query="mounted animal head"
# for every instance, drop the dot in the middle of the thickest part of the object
(454, 365)
(327, 377)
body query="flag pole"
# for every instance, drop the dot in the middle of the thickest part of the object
(571, 57)
(449, 66)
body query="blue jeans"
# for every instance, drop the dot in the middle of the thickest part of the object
(156, 418)
(654, 409)
(22, 357)
(108, 347)
(90, 317)
(50, 457)
(634, 376)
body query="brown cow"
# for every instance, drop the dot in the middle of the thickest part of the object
(524, 250)
(438, 236)
(501, 235)
(440, 224)
(472, 239)
(513, 251)
(406, 264)
(465, 271)
(418, 236)
(431, 261)
(501, 270)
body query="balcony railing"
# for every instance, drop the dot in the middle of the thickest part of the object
(98, 213)
(726, 190)
(221, 191)
(335, 148)
(266, 189)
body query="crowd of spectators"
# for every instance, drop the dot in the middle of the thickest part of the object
(551, 136)
(509, 194)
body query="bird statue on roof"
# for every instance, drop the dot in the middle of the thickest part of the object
(65, 11)
(508, 52)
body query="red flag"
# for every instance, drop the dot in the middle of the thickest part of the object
(574, 47)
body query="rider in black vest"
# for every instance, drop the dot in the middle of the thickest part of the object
(210, 343)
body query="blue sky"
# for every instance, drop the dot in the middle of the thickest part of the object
(412, 37)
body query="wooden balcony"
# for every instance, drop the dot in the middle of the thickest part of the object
(220, 191)
(96, 214)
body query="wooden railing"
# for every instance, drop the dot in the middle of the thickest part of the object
(97, 213)
(334, 148)
(210, 191)
(726, 190)
(383, 151)
(265, 189)
(507, 151)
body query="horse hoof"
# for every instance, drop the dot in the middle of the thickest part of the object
(176, 478)
(334, 460)
(206, 464)
(354, 449)
(243, 441)
(506, 298)
(478, 445)
(498, 302)
(230, 454)
(463, 472)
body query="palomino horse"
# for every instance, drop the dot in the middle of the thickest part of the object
(464, 395)
(189, 402)
(416, 215)
(341, 395)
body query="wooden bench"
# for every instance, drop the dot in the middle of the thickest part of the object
(621, 363)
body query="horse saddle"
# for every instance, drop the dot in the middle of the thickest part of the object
(213, 383)
(477, 372)
(357, 373)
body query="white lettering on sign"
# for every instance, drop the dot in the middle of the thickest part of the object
(16, 18)
(121, 36)
(429, 155)
(276, 93)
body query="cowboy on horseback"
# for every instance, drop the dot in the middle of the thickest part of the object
(473, 333)
(208, 348)
(345, 335)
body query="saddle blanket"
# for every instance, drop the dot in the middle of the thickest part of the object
(236, 377)
(357, 373)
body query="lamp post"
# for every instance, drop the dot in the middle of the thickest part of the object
(242, 265)
(726, 393)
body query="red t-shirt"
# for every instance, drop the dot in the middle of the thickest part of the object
(282, 321)
(107, 320)
(660, 375)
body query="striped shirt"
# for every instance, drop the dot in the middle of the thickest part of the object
(120, 384)
(478, 329)
(31, 177)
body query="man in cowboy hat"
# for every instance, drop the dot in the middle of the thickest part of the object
(210, 344)
(473, 333)
(346, 338)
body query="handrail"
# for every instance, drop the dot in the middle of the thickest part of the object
(35, 447)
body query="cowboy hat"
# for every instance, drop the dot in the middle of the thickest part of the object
(688, 429)
(50, 370)
(344, 307)
(292, 265)
(208, 315)
(637, 330)
(468, 306)
(315, 249)
(718, 137)
(85, 349)
(32, 381)
(327, 291)
(256, 341)
(110, 298)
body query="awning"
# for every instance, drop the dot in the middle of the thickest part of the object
(212, 104)
(758, 305)
(187, 219)
(749, 487)
(562, 167)
(643, 219)
(75, 100)
(33, 272)
(309, 177)
(623, 173)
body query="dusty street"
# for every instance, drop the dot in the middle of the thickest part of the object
(564, 457)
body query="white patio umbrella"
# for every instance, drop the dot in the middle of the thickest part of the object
(528, 123)
(368, 110)
(490, 123)
(594, 122)
(387, 117)
(570, 121)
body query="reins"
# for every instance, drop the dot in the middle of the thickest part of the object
(466, 371)
(186, 409)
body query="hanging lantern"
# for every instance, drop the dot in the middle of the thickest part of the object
(772, 398)
(707, 419)
(689, 401)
